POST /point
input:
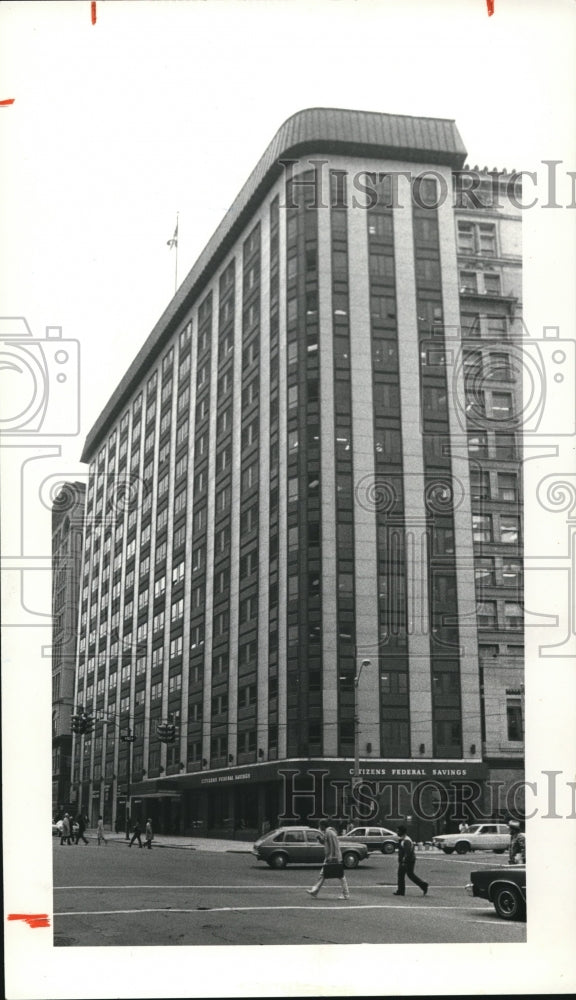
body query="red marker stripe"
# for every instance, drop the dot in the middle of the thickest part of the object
(32, 919)
(490, 5)
(9, 101)
(93, 11)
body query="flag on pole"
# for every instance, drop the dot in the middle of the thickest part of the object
(174, 241)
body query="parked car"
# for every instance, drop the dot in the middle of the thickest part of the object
(297, 845)
(376, 838)
(479, 837)
(504, 887)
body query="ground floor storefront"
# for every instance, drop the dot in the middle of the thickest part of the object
(240, 802)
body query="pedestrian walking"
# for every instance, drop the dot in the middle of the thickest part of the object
(136, 832)
(406, 862)
(66, 832)
(100, 832)
(517, 843)
(333, 866)
(148, 834)
(81, 821)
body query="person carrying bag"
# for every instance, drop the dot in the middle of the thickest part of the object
(333, 866)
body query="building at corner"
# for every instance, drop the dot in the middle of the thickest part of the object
(67, 537)
(313, 463)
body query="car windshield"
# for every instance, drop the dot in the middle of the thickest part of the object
(474, 829)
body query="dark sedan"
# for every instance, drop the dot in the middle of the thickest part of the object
(376, 838)
(504, 887)
(303, 845)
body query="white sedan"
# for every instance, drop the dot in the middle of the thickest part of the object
(479, 837)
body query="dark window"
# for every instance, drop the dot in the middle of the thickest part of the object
(514, 719)
(486, 614)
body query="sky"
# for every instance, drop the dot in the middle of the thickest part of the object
(157, 109)
(164, 107)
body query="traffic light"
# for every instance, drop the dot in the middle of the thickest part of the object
(82, 724)
(166, 732)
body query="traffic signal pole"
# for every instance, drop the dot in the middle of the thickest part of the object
(356, 778)
(129, 739)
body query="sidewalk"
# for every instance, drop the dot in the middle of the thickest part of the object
(188, 843)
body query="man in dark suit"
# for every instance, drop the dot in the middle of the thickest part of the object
(81, 828)
(406, 862)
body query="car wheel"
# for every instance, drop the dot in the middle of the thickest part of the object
(388, 848)
(499, 850)
(350, 859)
(448, 850)
(278, 861)
(508, 903)
(462, 847)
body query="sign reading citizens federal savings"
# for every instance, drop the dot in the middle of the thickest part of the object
(333, 770)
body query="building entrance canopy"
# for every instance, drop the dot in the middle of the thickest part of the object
(321, 770)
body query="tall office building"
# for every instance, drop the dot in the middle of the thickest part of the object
(302, 525)
(67, 534)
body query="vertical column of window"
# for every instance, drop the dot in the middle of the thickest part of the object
(249, 506)
(439, 491)
(222, 517)
(146, 645)
(154, 637)
(110, 628)
(346, 633)
(304, 650)
(273, 720)
(127, 606)
(109, 639)
(171, 706)
(495, 483)
(97, 637)
(180, 682)
(123, 604)
(198, 560)
(388, 468)
(111, 598)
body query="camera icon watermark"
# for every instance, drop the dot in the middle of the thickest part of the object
(525, 385)
(40, 392)
(120, 494)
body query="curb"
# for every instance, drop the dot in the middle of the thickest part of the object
(186, 847)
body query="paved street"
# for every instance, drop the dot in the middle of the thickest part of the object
(114, 895)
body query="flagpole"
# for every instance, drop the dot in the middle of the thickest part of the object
(176, 259)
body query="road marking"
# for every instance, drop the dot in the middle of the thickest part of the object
(264, 886)
(234, 909)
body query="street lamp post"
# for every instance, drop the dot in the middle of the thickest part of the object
(129, 739)
(364, 663)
